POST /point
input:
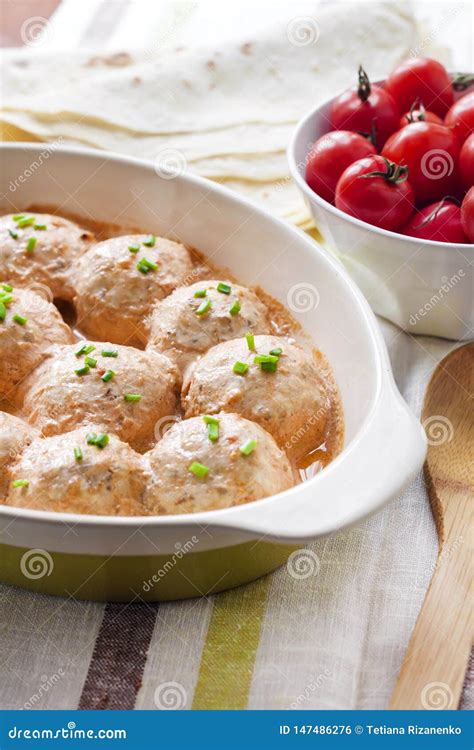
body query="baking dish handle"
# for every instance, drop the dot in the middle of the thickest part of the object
(372, 470)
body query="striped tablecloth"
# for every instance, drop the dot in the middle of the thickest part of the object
(332, 639)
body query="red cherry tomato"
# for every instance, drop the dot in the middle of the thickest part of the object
(467, 214)
(364, 107)
(330, 156)
(418, 113)
(461, 117)
(466, 163)
(376, 191)
(424, 79)
(431, 153)
(439, 222)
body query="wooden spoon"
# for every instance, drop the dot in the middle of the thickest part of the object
(433, 670)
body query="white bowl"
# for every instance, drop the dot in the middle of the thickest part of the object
(424, 287)
(384, 443)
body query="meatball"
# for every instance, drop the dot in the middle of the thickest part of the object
(15, 435)
(208, 463)
(288, 395)
(118, 282)
(121, 389)
(194, 318)
(29, 326)
(84, 471)
(38, 250)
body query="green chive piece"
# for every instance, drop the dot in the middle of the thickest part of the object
(85, 349)
(276, 352)
(26, 221)
(248, 447)
(150, 241)
(109, 353)
(3, 311)
(224, 288)
(263, 358)
(20, 483)
(235, 307)
(204, 307)
(132, 397)
(91, 361)
(13, 234)
(30, 245)
(240, 368)
(144, 265)
(6, 287)
(268, 366)
(20, 319)
(250, 341)
(199, 470)
(134, 248)
(6, 298)
(108, 376)
(78, 454)
(82, 370)
(100, 440)
(212, 427)
(200, 293)
(40, 227)
(17, 217)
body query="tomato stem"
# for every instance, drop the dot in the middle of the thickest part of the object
(372, 136)
(396, 173)
(417, 105)
(363, 90)
(436, 210)
(462, 81)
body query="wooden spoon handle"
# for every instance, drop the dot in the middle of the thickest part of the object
(435, 664)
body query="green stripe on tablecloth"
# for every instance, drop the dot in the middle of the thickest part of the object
(231, 645)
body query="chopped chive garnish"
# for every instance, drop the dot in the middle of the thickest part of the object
(276, 352)
(199, 470)
(3, 311)
(78, 454)
(248, 447)
(240, 368)
(13, 234)
(20, 319)
(85, 349)
(108, 376)
(132, 397)
(134, 248)
(109, 353)
(17, 217)
(250, 341)
(212, 427)
(235, 308)
(20, 483)
(224, 288)
(6, 298)
(204, 307)
(100, 440)
(30, 245)
(144, 265)
(26, 221)
(200, 293)
(269, 366)
(150, 241)
(263, 358)
(82, 370)
(40, 227)
(6, 287)
(91, 361)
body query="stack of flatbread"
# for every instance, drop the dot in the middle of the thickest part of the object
(225, 111)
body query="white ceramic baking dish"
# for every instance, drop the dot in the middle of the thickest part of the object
(424, 287)
(187, 555)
